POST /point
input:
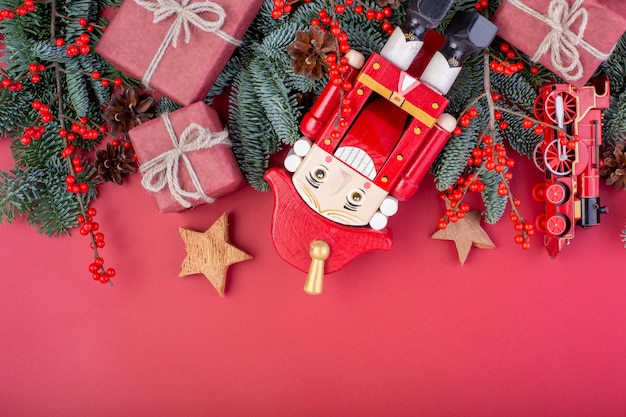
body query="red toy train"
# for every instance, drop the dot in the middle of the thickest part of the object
(352, 167)
(571, 187)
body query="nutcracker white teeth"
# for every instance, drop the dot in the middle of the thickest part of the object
(349, 172)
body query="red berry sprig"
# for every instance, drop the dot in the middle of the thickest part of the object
(27, 7)
(89, 227)
(487, 155)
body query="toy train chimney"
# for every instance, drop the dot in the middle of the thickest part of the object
(468, 32)
(407, 40)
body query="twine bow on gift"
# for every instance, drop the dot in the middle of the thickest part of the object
(162, 170)
(187, 15)
(562, 41)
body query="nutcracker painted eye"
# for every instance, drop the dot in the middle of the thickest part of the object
(317, 175)
(354, 199)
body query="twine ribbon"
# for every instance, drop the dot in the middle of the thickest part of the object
(562, 41)
(162, 170)
(187, 15)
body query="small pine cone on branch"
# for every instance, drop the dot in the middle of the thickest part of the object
(115, 163)
(129, 109)
(615, 166)
(308, 52)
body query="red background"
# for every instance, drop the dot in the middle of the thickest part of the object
(403, 333)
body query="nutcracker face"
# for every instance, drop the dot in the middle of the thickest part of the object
(335, 190)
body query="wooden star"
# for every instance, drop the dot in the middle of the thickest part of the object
(210, 253)
(465, 233)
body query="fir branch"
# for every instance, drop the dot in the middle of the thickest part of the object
(249, 131)
(280, 105)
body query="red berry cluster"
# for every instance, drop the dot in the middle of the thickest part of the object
(72, 184)
(26, 7)
(32, 133)
(88, 227)
(481, 5)
(524, 228)
(77, 164)
(282, 7)
(35, 70)
(510, 61)
(106, 82)
(11, 85)
(80, 44)
(87, 133)
(44, 111)
(506, 66)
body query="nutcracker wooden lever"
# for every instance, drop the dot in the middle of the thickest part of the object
(319, 253)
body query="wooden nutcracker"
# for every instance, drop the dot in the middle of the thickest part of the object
(349, 174)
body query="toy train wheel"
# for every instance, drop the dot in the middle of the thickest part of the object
(538, 156)
(557, 225)
(539, 192)
(540, 222)
(569, 107)
(559, 163)
(540, 107)
(557, 193)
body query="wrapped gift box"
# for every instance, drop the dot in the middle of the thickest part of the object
(213, 164)
(578, 33)
(185, 73)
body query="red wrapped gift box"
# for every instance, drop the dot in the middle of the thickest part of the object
(570, 37)
(185, 72)
(200, 167)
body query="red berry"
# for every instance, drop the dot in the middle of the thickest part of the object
(83, 22)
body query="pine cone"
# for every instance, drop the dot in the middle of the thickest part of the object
(115, 163)
(394, 4)
(615, 166)
(308, 52)
(129, 109)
